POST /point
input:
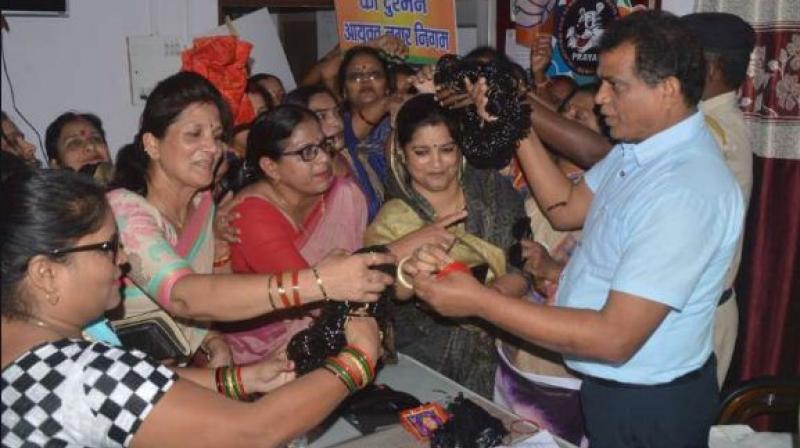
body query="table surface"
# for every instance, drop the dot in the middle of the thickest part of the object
(410, 376)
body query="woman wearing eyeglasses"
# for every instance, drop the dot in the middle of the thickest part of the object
(293, 215)
(165, 214)
(444, 201)
(367, 89)
(318, 99)
(60, 270)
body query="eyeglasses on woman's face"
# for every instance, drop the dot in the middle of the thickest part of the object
(109, 247)
(364, 76)
(310, 152)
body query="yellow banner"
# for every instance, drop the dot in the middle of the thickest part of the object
(428, 27)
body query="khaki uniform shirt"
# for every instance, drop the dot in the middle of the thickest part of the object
(726, 121)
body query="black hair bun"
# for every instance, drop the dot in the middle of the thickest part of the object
(325, 337)
(487, 145)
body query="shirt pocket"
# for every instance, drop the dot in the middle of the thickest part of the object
(601, 243)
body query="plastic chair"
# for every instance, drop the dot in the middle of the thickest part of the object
(765, 395)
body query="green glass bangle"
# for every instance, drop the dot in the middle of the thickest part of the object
(230, 383)
(341, 374)
(345, 375)
(362, 360)
(365, 376)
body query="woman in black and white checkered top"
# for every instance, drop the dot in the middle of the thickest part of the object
(60, 270)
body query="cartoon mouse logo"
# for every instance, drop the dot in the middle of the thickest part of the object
(588, 29)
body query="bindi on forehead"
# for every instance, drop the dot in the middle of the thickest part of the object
(83, 130)
(434, 145)
(365, 67)
(364, 61)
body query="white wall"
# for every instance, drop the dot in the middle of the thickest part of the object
(80, 62)
(678, 7)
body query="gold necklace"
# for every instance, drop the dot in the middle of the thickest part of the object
(173, 220)
(47, 325)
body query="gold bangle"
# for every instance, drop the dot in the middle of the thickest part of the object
(400, 276)
(319, 283)
(230, 383)
(269, 293)
(282, 291)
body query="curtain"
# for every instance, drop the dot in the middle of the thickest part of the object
(768, 285)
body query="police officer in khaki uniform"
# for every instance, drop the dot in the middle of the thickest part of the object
(727, 42)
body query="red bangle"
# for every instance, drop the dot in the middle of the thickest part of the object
(354, 374)
(239, 379)
(455, 266)
(220, 383)
(296, 289)
(370, 365)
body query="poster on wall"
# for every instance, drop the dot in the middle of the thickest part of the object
(428, 27)
(574, 27)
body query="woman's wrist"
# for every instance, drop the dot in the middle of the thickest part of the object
(228, 380)
(353, 367)
(293, 288)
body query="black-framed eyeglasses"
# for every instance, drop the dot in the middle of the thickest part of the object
(110, 247)
(309, 152)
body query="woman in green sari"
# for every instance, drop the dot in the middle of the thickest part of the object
(439, 199)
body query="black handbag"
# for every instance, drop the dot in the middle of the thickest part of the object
(154, 333)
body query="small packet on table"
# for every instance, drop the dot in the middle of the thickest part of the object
(422, 421)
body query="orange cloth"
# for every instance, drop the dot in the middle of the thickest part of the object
(223, 61)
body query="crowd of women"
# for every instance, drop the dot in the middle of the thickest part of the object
(235, 234)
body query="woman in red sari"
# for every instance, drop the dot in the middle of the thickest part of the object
(294, 214)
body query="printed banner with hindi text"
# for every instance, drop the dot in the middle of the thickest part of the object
(428, 27)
